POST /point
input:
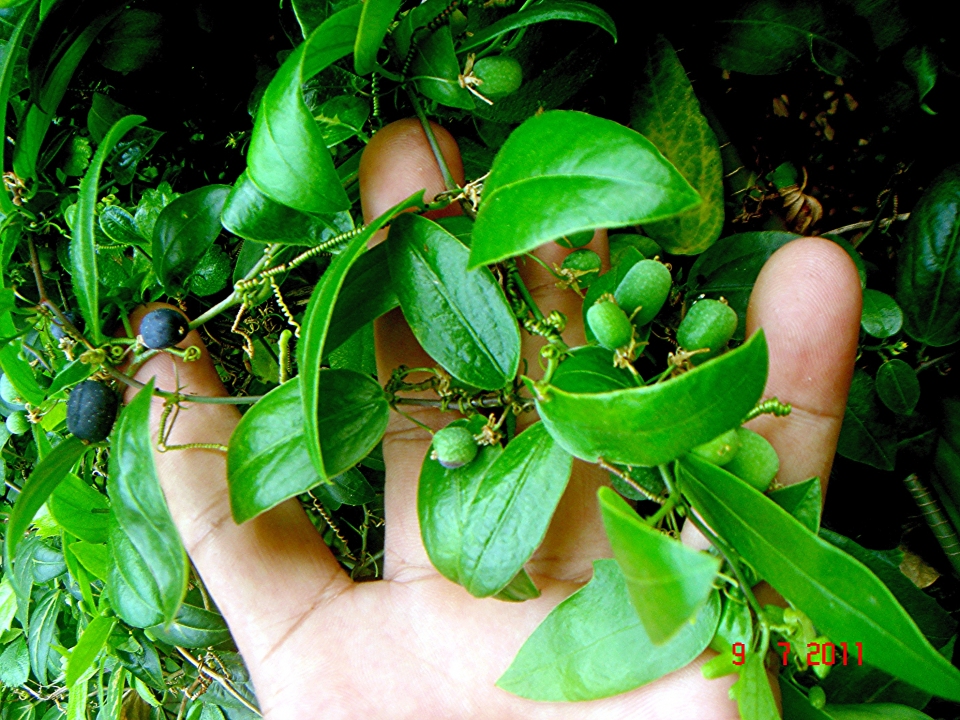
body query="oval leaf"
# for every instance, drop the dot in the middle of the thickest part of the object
(863, 436)
(564, 172)
(928, 274)
(842, 597)
(593, 645)
(668, 582)
(461, 318)
(193, 627)
(80, 510)
(881, 317)
(898, 387)
(655, 424)
(139, 504)
(184, 232)
(367, 293)
(132, 589)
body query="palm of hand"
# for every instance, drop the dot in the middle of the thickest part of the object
(415, 645)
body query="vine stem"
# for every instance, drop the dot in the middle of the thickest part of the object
(178, 397)
(448, 180)
(220, 679)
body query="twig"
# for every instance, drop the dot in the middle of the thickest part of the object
(863, 224)
(224, 682)
(448, 180)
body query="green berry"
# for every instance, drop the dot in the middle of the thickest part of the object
(585, 265)
(454, 446)
(575, 240)
(8, 392)
(17, 423)
(609, 325)
(709, 324)
(817, 697)
(721, 450)
(501, 75)
(644, 290)
(756, 461)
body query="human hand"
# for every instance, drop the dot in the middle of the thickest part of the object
(416, 645)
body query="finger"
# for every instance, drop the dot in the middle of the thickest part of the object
(807, 300)
(265, 574)
(396, 163)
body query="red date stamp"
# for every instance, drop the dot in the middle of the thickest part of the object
(818, 653)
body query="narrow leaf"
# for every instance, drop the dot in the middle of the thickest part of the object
(366, 294)
(193, 627)
(803, 500)
(43, 624)
(91, 642)
(573, 10)
(8, 63)
(375, 20)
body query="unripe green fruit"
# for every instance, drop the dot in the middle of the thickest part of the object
(575, 240)
(708, 324)
(721, 450)
(609, 325)
(501, 75)
(17, 423)
(454, 446)
(8, 392)
(817, 697)
(756, 461)
(645, 286)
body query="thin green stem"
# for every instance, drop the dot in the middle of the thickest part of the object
(179, 397)
(448, 180)
(524, 292)
(233, 298)
(660, 514)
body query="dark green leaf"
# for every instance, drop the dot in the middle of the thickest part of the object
(461, 318)
(593, 645)
(80, 510)
(511, 510)
(8, 64)
(928, 273)
(15, 664)
(45, 477)
(367, 293)
(119, 225)
(863, 436)
(564, 172)
(375, 20)
(842, 597)
(288, 157)
(252, 215)
(803, 500)
(85, 652)
(574, 10)
(731, 266)
(658, 423)
(310, 14)
(349, 488)
(193, 627)
(132, 589)
(268, 462)
(132, 40)
(590, 369)
(139, 504)
(882, 317)
(185, 230)
(874, 711)
(666, 111)
(668, 582)
(139, 656)
(316, 324)
(210, 274)
(83, 251)
(437, 70)
(898, 387)
(922, 65)
(41, 631)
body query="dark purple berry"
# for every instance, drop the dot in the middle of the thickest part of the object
(92, 410)
(163, 328)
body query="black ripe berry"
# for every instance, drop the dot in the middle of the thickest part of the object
(56, 329)
(163, 328)
(92, 410)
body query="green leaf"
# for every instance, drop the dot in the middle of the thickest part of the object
(375, 20)
(564, 172)
(95, 558)
(520, 589)
(655, 424)
(8, 64)
(317, 320)
(666, 111)
(593, 645)
(730, 268)
(928, 271)
(84, 654)
(842, 597)
(15, 664)
(366, 294)
(922, 64)
(898, 386)
(83, 248)
(460, 317)
(752, 691)
(590, 369)
(668, 582)
(288, 157)
(874, 711)
(8, 605)
(119, 225)
(45, 477)
(40, 632)
(342, 118)
(131, 587)
(21, 374)
(863, 436)
(509, 515)
(310, 14)
(252, 215)
(132, 40)
(80, 509)
(193, 627)
(268, 461)
(437, 70)
(347, 488)
(140, 507)
(768, 36)
(574, 10)
(803, 500)
(185, 230)
(881, 317)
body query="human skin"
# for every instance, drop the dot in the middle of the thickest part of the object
(415, 645)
